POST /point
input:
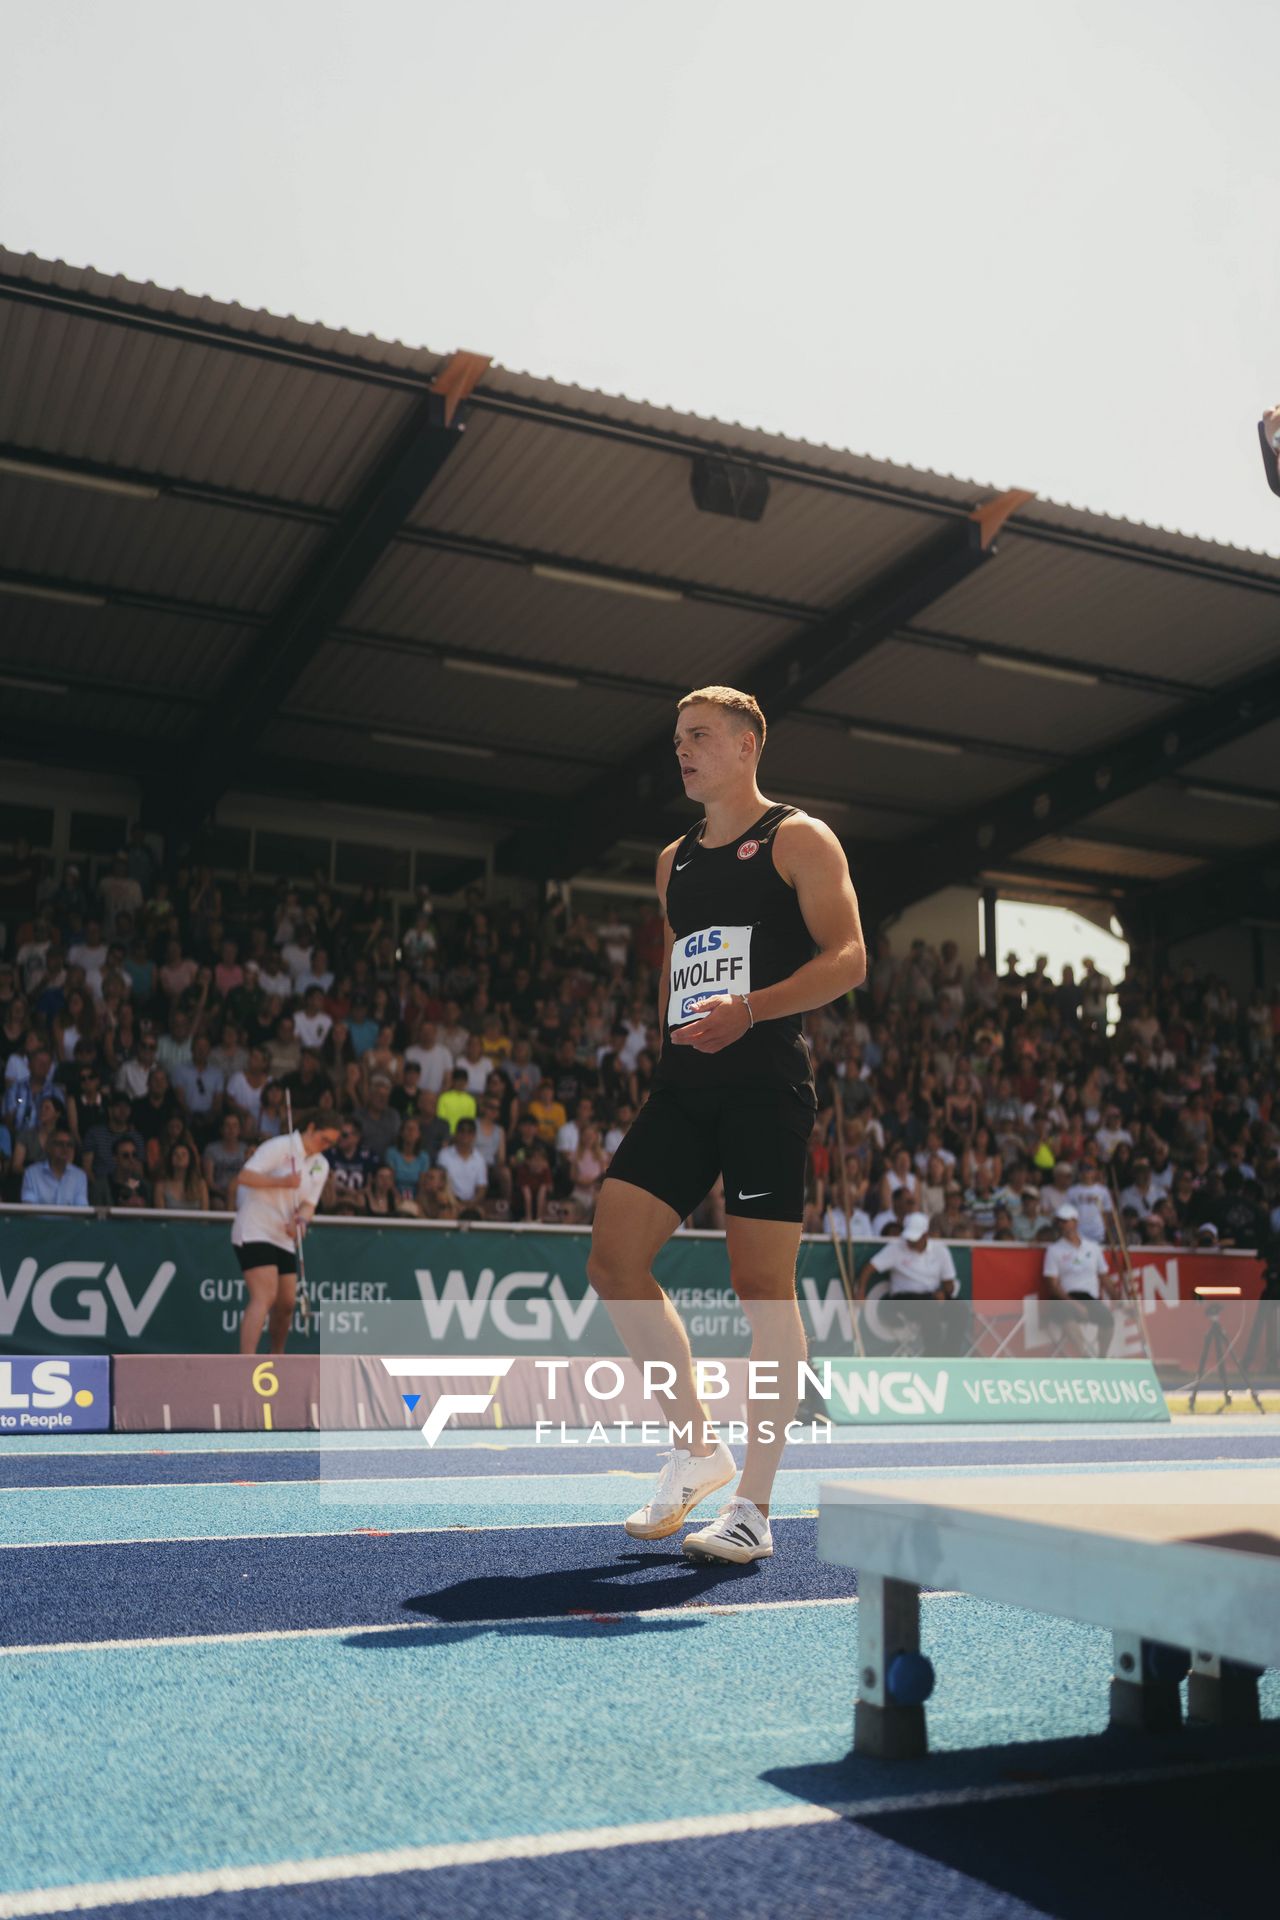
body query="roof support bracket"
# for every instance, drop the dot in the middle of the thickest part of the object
(623, 801)
(349, 554)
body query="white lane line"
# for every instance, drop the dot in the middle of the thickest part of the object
(543, 1846)
(605, 1615)
(330, 1533)
(251, 1445)
(342, 1441)
(1030, 1468)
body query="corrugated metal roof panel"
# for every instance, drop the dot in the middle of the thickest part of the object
(935, 784)
(508, 769)
(174, 303)
(851, 814)
(855, 824)
(1084, 522)
(631, 508)
(104, 393)
(1085, 606)
(86, 388)
(1252, 761)
(158, 653)
(951, 693)
(732, 436)
(134, 717)
(513, 387)
(206, 554)
(484, 604)
(1100, 857)
(389, 688)
(1168, 816)
(951, 489)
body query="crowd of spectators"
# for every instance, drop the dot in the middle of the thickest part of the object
(485, 1061)
(989, 1099)
(480, 1063)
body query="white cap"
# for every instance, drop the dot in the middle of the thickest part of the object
(1068, 1212)
(915, 1226)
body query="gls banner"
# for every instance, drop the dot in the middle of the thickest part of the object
(55, 1396)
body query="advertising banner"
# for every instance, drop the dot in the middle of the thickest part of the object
(86, 1284)
(348, 1393)
(1017, 1318)
(46, 1395)
(951, 1392)
(210, 1393)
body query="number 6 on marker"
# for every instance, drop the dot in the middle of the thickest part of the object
(265, 1380)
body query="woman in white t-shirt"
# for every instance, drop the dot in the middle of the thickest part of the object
(854, 1225)
(899, 1174)
(279, 1188)
(933, 1186)
(1258, 1022)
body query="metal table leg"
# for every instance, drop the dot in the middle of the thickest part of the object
(888, 1624)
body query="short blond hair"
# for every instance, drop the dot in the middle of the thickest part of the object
(744, 705)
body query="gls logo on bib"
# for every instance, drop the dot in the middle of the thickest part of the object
(715, 960)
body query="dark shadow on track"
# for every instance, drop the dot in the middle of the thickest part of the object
(1062, 1833)
(612, 1625)
(677, 1582)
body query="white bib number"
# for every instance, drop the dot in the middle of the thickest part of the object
(715, 961)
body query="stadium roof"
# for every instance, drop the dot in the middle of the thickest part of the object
(237, 549)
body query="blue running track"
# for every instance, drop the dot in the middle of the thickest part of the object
(345, 1678)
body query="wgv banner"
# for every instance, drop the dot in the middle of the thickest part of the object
(84, 1284)
(87, 1284)
(951, 1392)
(55, 1396)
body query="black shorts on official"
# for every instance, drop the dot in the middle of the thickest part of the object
(682, 1138)
(261, 1253)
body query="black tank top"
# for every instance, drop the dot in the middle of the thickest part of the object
(737, 926)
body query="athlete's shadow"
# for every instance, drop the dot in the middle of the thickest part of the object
(590, 1627)
(610, 1588)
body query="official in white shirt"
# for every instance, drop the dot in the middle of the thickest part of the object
(1076, 1269)
(279, 1188)
(920, 1270)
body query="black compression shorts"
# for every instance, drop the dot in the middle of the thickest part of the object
(261, 1253)
(758, 1138)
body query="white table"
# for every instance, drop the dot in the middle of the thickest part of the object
(1166, 1560)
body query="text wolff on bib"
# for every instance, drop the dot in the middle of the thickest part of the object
(715, 960)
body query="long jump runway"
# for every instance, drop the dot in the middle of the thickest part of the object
(344, 1675)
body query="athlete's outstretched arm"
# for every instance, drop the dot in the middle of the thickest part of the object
(811, 858)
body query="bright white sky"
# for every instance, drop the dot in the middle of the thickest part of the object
(1029, 241)
(1063, 937)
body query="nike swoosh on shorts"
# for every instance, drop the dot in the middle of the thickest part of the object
(765, 1192)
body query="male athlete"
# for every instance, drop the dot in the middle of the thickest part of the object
(761, 926)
